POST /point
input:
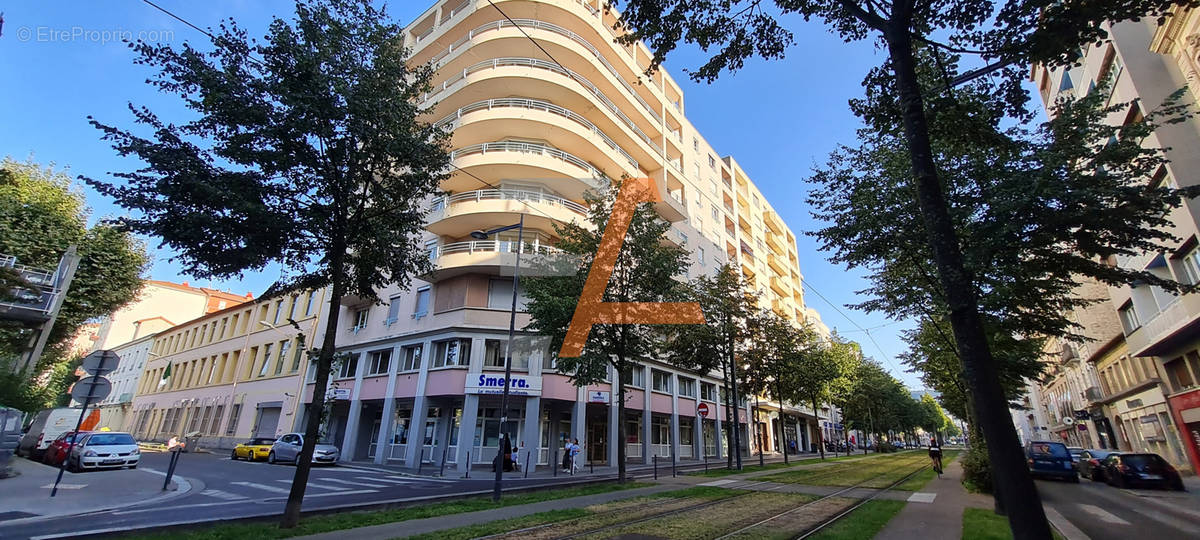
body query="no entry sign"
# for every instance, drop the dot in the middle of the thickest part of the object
(702, 410)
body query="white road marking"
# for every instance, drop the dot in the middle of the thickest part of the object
(397, 482)
(716, 483)
(225, 495)
(354, 492)
(1103, 514)
(319, 486)
(263, 487)
(922, 497)
(174, 508)
(422, 479)
(65, 486)
(152, 471)
(360, 484)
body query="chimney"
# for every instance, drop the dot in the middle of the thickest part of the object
(185, 284)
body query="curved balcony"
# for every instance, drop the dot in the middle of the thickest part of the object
(535, 63)
(536, 105)
(534, 24)
(487, 257)
(461, 213)
(530, 160)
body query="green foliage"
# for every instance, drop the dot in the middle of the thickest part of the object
(977, 469)
(42, 213)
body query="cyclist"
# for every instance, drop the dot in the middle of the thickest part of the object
(935, 455)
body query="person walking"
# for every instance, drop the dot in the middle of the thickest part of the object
(575, 449)
(566, 460)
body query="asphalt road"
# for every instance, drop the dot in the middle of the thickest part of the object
(1103, 512)
(223, 489)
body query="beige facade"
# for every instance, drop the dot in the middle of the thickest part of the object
(1145, 63)
(234, 373)
(159, 306)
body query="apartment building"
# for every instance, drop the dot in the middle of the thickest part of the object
(1144, 64)
(231, 374)
(159, 305)
(532, 133)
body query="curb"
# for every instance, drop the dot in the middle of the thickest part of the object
(182, 487)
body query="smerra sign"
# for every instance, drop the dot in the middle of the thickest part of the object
(518, 385)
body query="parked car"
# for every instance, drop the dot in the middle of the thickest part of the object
(1050, 459)
(1141, 470)
(1089, 464)
(46, 426)
(253, 450)
(1075, 452)
(104, 449)
(287, 448)
(57, 451)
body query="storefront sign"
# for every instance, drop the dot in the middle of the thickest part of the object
(488, 383)
(599, 396)
(340, 394)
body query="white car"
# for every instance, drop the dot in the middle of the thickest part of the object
(104, 449)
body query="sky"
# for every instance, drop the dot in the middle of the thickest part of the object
(63, 61)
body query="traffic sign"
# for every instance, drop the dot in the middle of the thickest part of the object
(98, 387)
(702, 410)
(100, 362)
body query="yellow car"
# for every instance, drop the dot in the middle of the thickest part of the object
(253, 450)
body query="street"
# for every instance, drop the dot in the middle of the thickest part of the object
(1104, 512)
(223, 489)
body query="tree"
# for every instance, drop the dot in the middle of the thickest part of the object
(1009, 36)
(309, 150)
(723, 342)
(822, 372)
(42, 213)
(773, 361)
(646, 270)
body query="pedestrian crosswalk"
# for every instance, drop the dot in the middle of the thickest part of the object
(322, 486)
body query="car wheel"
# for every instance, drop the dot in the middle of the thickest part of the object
(1075, 479)
(233, 455)
(271, 458)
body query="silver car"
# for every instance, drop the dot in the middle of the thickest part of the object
(103, 449)
(287, 449)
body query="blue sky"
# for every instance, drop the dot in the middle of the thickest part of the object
(63, 61)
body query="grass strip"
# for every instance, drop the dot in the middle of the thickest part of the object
(875, 472)
(349, 520)
(501, 526)
(716, 473)
(984, 524)
(865, 522)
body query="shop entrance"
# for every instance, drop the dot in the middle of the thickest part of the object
(597, 434)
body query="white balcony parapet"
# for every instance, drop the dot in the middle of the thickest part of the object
(539, 105)
(491, 246)
(528, 148)
(550, 66)
(507, 194)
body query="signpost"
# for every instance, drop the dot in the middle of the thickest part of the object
(702, 410)
(87, 391)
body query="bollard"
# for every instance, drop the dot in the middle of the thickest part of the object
(468, 464)
(656, 466)
(592, 466)
(421, 461)
(171, 469)
(706, 463)
(442, 466)
(527, 452)
(554, 464)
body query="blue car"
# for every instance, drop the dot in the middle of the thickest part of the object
(1049, 459)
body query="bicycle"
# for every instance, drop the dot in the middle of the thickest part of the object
(936, 459)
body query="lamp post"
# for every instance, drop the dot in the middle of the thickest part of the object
(512, 329)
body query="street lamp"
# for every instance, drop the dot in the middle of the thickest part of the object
(512, 329)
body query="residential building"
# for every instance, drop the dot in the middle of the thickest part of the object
(114, 409)
(229, 375)
(159, 305)
(531, 135)
(1143, 64)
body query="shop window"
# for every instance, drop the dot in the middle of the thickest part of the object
(379, 362)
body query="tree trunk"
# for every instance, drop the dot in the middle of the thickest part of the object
(728, 416)
(820, 434)
(316, 410)
(1026, 515)
(783, 443)
(620, 442)
(737, 423)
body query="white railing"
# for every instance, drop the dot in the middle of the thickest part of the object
(538, 105)
(442, 203)
(549, 66)
(461, 7)
(528, 148)
(491, 246)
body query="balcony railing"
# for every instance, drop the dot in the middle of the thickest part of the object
(537, 105)
(550, 66)
(1172, 318)
(490, 246)
(528, 148)
(506, 194)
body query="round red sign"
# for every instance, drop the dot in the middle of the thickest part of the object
(702, 410)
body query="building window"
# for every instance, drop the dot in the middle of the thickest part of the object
(218, 414)
(266, 361)
(635, 377)
(393, 310)
(234, 413)
(1191, 266)
(454, 352)
(348, 367)
(661, 380)
(278, 312)
(712, 161)
(422, 307)
(283, 350)
(312, 303)
(1129, 318)
(700, 255)
(412, 358)
(500, 295)
(292, 307)
(360, 319)
(296, 358)
(687, 388)
(695, 144)
(1177, 373)
(379, 362)
(708, 392)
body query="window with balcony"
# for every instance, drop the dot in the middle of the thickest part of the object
(661, 381)
(379, 362)
(393, 310)
(412, 358)
(454, 352)
(1178, 373)
(1129, 318)
(635, 377)
(687, 387)
(422, 307)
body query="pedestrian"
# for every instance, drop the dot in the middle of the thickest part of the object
(575, 450)
(508, 450)
(566, 461)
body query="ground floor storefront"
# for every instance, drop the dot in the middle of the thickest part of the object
(1185, 407)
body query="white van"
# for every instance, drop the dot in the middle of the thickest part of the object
(47, 425)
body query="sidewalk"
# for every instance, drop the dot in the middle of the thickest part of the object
(935, 512)
(26, 497)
